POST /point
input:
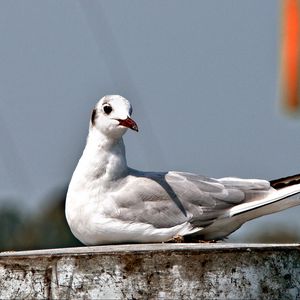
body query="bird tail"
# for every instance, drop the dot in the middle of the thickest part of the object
(276, 201)
(285, 193)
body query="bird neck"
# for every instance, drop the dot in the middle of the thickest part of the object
(103, 158)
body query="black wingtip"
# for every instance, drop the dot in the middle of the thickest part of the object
(285, 181)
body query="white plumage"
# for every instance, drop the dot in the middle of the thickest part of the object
(109, 203)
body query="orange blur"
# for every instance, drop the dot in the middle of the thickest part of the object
(290, 53)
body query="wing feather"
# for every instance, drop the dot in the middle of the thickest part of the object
(169, 199)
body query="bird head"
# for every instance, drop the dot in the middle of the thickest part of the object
(112, 116)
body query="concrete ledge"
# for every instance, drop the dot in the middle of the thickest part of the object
(156, 271)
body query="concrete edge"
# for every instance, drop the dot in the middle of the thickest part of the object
(141, 248)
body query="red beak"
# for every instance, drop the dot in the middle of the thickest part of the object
(129, 123)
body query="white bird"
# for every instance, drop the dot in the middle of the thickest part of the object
(109, 203)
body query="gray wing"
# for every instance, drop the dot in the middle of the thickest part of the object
(169, 199)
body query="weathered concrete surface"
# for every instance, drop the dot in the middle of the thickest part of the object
(156, 271)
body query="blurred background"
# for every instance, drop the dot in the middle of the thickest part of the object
(214, 87)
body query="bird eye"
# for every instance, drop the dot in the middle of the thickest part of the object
(107, 109)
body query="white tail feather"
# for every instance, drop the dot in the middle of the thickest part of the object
(274, 196)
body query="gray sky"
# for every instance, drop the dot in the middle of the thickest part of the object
(202, 77)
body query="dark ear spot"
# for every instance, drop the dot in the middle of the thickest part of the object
(93, 116)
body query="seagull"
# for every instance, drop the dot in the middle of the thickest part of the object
(110, 203)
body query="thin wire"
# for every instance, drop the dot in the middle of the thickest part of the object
(12, 160)
(120, 74)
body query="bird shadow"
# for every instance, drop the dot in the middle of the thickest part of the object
(160, 178)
